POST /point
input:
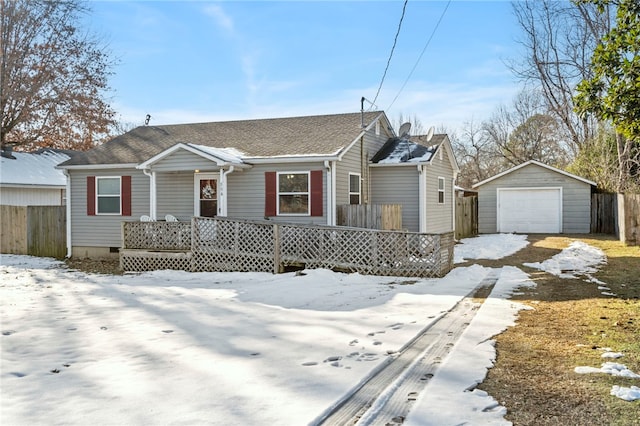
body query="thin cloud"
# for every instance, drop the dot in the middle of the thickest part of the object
(221, 18)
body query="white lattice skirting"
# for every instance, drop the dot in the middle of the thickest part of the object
(221, 244)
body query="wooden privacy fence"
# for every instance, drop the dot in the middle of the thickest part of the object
(221, 244)
(603, 213)
(371, 216)
(466, 217)
(34, 230)
(617, 214)
(629, 219)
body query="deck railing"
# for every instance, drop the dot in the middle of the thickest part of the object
(156, 235)
(222, 244)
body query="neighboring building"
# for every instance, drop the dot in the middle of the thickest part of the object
(295, 170)
(31, 178)
(534, 198)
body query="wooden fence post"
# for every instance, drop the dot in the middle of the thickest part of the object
(629, 219)
(277, 252)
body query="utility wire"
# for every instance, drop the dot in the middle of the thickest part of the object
(422, 53)
(395, 40)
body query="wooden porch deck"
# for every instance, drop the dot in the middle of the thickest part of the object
(223, 244)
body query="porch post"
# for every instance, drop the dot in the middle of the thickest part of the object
(152, 193)
(153, 198)
(222, 191)
(331, 193)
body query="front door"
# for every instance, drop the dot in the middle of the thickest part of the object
(206, 195)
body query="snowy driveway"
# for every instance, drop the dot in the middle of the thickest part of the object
(229, 348)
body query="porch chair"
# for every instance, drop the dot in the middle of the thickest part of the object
(170, 218)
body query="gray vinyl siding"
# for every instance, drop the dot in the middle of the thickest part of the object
(182, 160)
(104, 230)
(576, 197)
(398, 185)
(352, 163)
(21, 196)
(175, 195)
(246, 192)
(439, 216)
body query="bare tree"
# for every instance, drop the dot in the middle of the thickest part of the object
(525, 131)
(538, 139)
(417, 128)
(53, 77)
(475, 153)
(599, 161)
(611, 94)
(559, 39)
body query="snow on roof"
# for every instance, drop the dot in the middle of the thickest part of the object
(401, 150)
(230, 155)
(33, 169)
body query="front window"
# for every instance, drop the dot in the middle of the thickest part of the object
(440, 190)
(293, 193)
(354, 188)
(108, 195)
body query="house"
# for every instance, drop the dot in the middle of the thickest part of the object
(534, 198)
(419, 177)
(295, 170)
(31, 178)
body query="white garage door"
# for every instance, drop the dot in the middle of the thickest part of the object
(535, 210)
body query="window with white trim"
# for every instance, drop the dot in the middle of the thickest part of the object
(293, 193)
(108, 195)
(355, 188)
(440, 190)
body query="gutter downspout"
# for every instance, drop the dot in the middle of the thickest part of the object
(454, 200)
(422, 199)
(223, 192)
(153, 208)
(331, 192)
(68, 212)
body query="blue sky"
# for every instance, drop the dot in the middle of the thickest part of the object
(194, 61)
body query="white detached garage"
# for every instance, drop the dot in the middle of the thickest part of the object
(534, 198)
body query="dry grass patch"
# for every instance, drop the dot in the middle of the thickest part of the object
(96, 266)
(571, 322)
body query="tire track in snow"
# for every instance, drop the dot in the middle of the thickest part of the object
(386, 397)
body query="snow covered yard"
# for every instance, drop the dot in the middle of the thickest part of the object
(172, 347)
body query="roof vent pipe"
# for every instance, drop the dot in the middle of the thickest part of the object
(362, 112)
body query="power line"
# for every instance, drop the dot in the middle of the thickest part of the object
(395, 40)
(420, 57)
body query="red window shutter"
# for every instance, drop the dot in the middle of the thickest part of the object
(91, 195)
(270, 196)
(316, 192)
(125, 183)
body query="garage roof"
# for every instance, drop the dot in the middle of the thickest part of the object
(537, 163)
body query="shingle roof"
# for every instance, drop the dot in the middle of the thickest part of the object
(535, 163)
(402, 150)
(274, 137)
